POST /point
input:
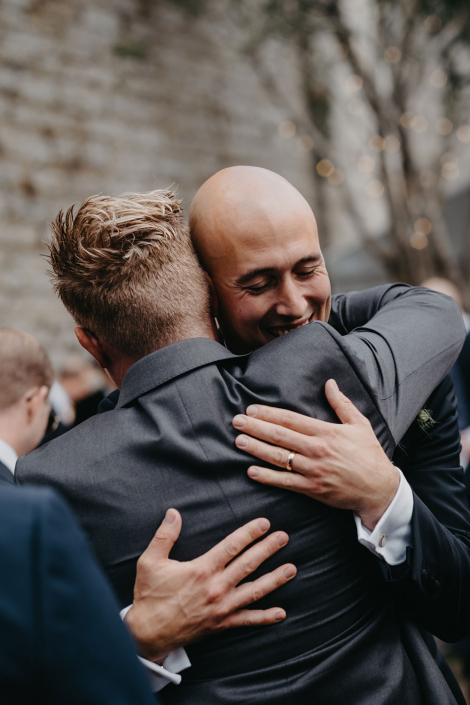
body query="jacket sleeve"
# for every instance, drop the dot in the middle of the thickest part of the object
(88, 656)
(405, 350)
(356, 308)
(433, 585)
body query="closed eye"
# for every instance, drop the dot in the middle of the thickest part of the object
(257, 290)
(306, 275)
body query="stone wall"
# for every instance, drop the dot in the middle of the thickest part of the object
(112, 96)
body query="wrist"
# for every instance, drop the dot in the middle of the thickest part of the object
(371, 514)
(148, 647)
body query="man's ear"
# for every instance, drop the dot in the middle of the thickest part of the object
(93, 346)
(35, 398)
(213, 298)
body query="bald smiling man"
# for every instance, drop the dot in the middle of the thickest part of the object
(143, 312)
(257, 240)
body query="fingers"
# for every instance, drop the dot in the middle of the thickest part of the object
(166, 535)
(253, 618)
(270, 432)
(283, 417)
(285, 480)
(264, 451)
(341, 405)
(303, 460)
(234, 543)
(253, 557)
(248, 593)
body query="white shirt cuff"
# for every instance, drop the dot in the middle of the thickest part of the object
(176, 661)
(393, 532)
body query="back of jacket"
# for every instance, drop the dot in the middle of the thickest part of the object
(170, 443)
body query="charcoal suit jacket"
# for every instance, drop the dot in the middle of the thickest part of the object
(61, 638)
(170, 442)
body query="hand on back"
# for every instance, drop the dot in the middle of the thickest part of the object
(177, 603)
(342, 465)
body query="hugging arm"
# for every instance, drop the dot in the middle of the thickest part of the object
(433, 585)
(432, 580)
(404, 351)
(177, 603)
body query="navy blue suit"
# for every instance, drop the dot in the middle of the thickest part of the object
(6, 476)
(461, 378)
(61, 637)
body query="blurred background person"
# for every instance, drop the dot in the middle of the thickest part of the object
(461, 379)
(25, 380)
(86, 385)
(460, 372)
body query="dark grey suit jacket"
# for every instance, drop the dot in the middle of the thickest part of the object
(170, 442)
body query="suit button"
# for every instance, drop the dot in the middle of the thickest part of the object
(424, 575)
(435, 587)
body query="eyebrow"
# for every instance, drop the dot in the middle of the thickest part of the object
(245, 278)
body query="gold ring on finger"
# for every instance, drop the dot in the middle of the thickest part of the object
(290, 459)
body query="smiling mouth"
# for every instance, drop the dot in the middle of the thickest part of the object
(282, 330)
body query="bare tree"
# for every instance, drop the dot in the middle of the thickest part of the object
(396, 50)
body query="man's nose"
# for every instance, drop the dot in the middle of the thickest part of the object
(291, 301)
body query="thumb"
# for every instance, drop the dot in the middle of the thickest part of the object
(166, 535)
(341, 405)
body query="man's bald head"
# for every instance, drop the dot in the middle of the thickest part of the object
(257, 239)
(237, 203)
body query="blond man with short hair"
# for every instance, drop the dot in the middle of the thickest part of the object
(125, 268)
(25, 380)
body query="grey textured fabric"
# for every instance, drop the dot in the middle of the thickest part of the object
(170, 442)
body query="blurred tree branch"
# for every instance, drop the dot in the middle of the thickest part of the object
(420, 33)
(391, 54)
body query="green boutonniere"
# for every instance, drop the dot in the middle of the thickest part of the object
(425, 420)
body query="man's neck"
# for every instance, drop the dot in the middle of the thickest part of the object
(9, 433)
(121, 364)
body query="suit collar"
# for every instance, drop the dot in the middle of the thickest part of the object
(8, 456)
(6, 477)
(172, 361)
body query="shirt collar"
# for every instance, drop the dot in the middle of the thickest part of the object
(466, 320)
(8, 456)
(167, 363)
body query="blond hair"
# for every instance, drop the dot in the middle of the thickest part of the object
(24, 364)
(126, 270)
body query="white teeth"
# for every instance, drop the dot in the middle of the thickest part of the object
(282, 331)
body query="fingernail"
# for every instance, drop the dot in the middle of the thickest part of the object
(252, 410)
(263, 525)
(333, 381)
(280, 616)
(253, 472)
(282, 539)
(239, 421)
(170, 516)
(290, 572)
(241, 441)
